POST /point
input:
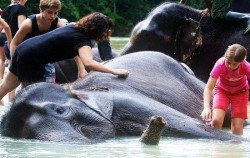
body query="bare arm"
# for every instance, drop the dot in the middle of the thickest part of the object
(208, 4)
(206, 113)
(24, 29)
(81, 69)
(21, 19)
(7, 30)
(207, 11)
(85, 54)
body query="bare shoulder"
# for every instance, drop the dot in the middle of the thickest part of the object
(26, 25)
(61, 23)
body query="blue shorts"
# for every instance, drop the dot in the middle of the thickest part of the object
(50, 72)
(7, 50)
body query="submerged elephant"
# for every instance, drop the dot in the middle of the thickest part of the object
(182, 33)
(102, 106)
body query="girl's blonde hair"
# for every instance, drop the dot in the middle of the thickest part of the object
(236, 52)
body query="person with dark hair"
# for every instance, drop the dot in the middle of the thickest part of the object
(31, 56)
(219, 10)
(228, 82)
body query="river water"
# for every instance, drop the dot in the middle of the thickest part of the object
(126, 147)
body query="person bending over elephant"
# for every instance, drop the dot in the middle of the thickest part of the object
(219, 10)
(31, 56)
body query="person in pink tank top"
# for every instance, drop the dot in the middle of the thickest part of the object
(228, 82)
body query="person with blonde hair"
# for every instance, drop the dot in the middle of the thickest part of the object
(229, 80)
(31, 56)
(37, 24)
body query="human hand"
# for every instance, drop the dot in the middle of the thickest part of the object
(82, 74)
(121, 72)
(205, 12)
(206, 114)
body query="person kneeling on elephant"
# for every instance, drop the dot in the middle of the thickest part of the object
(31, 56)
(219, 10)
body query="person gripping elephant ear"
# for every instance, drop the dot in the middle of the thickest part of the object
(187, 41)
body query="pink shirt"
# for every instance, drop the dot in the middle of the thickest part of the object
(231, 81)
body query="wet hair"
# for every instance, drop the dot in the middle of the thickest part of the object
(236, 52)
(96, 25)
(45, 4)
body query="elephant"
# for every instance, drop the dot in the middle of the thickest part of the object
(102, 106)
(184, 34)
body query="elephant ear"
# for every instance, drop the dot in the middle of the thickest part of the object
(98, 100)
(188, 38)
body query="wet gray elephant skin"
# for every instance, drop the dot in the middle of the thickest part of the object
(103, 106)
(182, 33)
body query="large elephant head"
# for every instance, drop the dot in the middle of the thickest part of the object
(184, 34)
(51, 112)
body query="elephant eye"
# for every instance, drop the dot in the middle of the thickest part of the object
(192, 34)
(59, 110)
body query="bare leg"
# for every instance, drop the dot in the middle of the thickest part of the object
(237, 126)
(9, 83)
(2, 65)
(2, 60)
(218, 118)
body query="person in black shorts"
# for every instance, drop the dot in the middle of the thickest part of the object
(14, 15)
(30, 57)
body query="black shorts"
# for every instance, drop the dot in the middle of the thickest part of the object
(27, 70)
(3, 38)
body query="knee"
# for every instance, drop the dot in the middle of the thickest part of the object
(237, 128)
(217, 123)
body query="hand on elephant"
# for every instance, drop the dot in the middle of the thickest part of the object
(121, 72)
(205, 12)
(206, 114)
(81, 74)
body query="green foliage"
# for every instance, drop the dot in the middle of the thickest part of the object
(124, 13)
